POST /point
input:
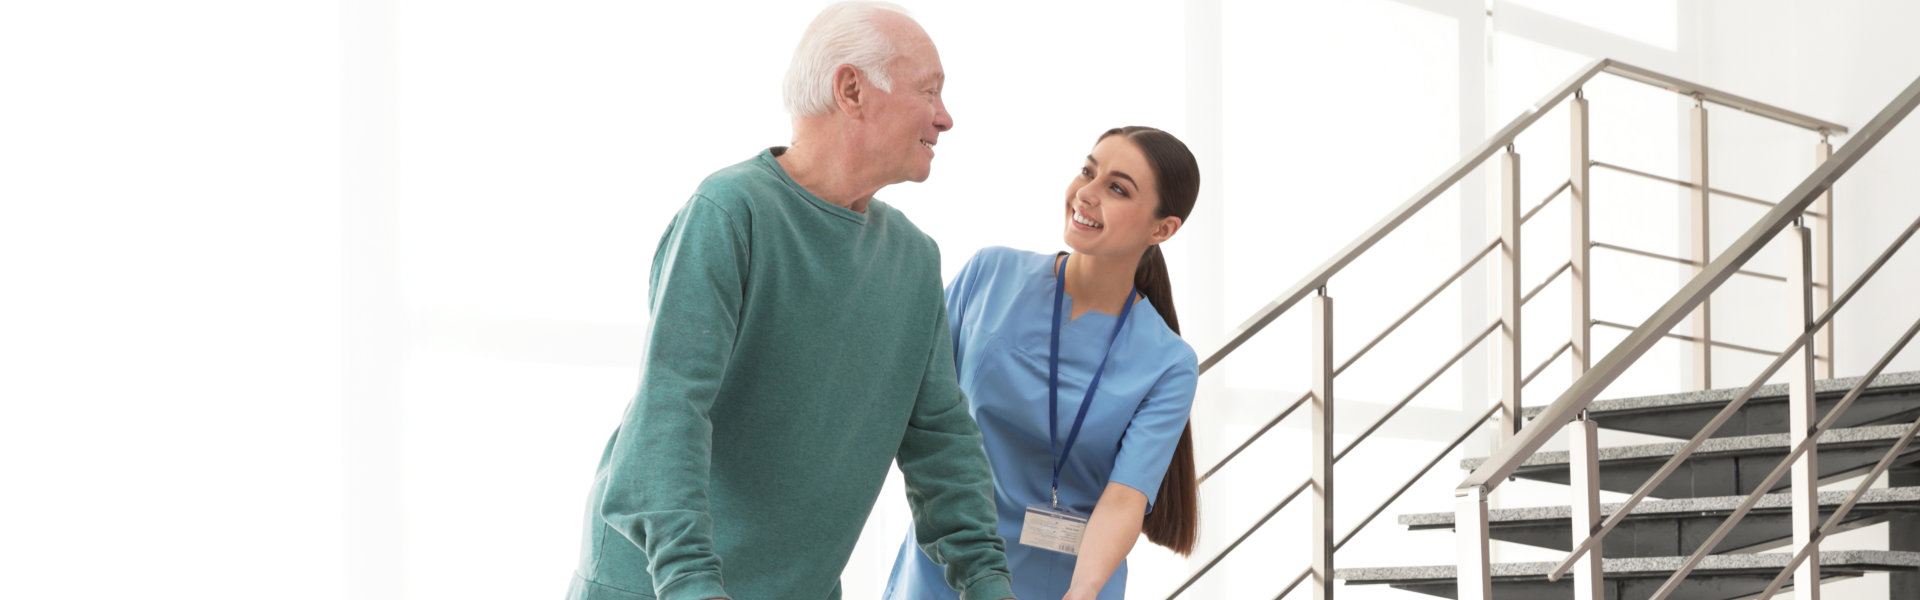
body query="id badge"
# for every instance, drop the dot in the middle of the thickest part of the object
(1053, 528)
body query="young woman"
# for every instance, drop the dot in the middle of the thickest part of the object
(1076, 372)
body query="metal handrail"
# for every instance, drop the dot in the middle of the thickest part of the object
(1319, 277)
(1786, 464)
(1535, 434)
(1733, 406)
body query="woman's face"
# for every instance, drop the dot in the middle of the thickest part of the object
(1111, 203)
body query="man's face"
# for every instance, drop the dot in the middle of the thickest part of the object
(905, 124)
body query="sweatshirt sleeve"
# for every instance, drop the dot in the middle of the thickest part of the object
(656, 494)
(949, 486)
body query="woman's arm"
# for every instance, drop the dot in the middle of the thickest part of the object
(1111, 533)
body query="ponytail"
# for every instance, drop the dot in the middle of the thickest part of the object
(1175, 520)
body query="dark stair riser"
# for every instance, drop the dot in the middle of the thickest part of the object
(1681, 534)
(1699, 587)
(1725, 474)
(1763, 415)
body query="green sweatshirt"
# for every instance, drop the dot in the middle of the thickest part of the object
(797, 348)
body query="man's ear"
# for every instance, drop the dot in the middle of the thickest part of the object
(1165, 230)
(848, 88)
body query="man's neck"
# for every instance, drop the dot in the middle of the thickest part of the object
(1099, 283)
(827, 174)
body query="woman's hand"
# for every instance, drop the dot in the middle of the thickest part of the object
(1111, 532)
(1081, 593)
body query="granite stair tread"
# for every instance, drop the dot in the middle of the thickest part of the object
(1747, 443)
(1680, 506)
(1868, 560)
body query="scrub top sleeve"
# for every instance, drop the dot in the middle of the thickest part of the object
(949, 485)
(1150, 439)
(656, 487)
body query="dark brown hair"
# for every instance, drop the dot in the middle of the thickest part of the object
(1175, 519)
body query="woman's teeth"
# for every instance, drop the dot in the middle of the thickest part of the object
(1084, 221)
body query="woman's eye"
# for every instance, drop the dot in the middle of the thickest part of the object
(1086, 172)
(1117, 189)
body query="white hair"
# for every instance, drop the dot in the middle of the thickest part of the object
(845, 33)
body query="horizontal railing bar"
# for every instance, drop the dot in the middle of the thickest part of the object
(1570, 404)
(1564, 267)
(1786, 465)
(1471, 427)
(1688, 338)
(1739, 400)
(1236, 542)
(1377, 423)
(1319, 277)
(1302, 401)
(1691, 185)
(1687, 88)
(1546, 363)
(1464, 267)
(1296, 582)
(1543, 203)
(1675, 259)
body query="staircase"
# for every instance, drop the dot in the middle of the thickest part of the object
(1732, 511)
(1652, 541)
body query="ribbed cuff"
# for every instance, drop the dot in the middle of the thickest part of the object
(698, 586)
(991, 587)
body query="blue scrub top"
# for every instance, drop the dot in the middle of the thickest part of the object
(1000, 308)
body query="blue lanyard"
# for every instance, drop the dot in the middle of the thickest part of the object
(1053, 378)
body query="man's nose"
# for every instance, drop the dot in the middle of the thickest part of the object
(942, 120)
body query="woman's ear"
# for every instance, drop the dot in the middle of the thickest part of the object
(1164, 230)
(848, 85)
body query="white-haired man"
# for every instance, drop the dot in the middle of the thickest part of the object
(799, 344)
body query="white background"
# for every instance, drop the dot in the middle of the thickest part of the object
(310, 299)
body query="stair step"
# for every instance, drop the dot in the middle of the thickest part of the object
(1891, 397)
(1721, 466)
(1677, 527)
(1719, 577)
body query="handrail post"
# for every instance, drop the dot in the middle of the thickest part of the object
(1823, 265)
(1509, 371)
(1801, 420)
(1322, 446)
(1584, 478)
(1470, 533)
(1583, 458)
(1699, 248)
(1581, 249)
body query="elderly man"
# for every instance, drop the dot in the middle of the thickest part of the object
(799, 345)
